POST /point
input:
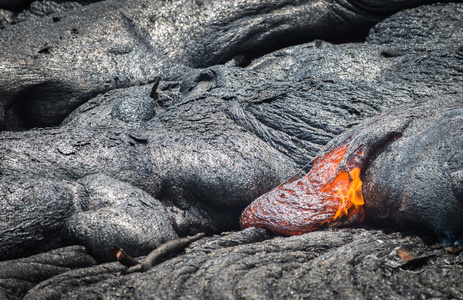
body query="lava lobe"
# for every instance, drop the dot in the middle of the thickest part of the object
(410, 160)
(327, 195)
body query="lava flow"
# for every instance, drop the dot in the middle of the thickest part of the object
(326, 196)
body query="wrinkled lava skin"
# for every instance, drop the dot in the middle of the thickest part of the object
(411, 165)
(60, 61)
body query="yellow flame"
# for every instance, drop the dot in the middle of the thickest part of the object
(353, 196)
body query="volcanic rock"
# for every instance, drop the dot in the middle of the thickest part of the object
(145, 163)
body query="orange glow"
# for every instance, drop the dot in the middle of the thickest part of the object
(327, 195)
(352, 197)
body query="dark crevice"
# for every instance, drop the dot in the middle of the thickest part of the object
(392, 53)
(154, 89)
(459, 53)
(28, 111)
(45, 50)
(276, 36)
(142, 141)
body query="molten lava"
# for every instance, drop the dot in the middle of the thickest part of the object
(325, 196)
(352, 196)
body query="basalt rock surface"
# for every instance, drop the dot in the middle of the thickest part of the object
(251, 264)
(12, 12)
(414, 179)
(61, 60)
(410, 167)
(141, 165)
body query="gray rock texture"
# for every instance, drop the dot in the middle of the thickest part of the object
(6, 17)
(60, 61)
(414, 178)
(12, 12)
(169, 142)
(20, 275)
(346, 263)
(410, 162)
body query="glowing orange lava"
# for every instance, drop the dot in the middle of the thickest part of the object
(325, 196)
(351, 197)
